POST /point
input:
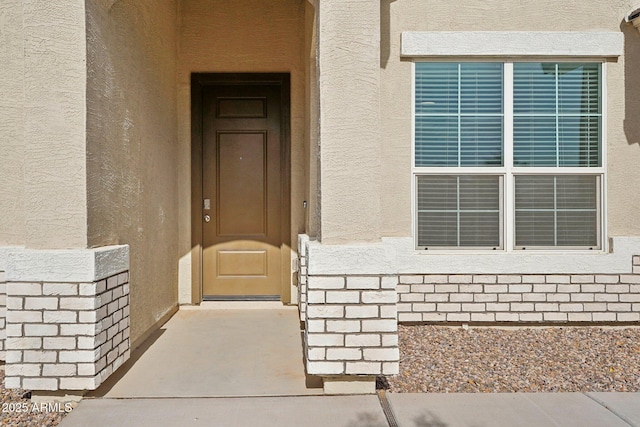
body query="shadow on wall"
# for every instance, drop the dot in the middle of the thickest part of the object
(385, 32)
(632, 82)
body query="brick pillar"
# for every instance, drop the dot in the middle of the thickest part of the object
(351, 332)
(64, 332)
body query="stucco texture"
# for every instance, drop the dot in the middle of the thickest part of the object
(311, 154)
(43, 170)
(350, 154)
(12, 227)
(217, 36)
(623, 109)
(132, 146)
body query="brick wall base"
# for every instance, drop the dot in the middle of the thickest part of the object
(351, 326)
(64, 332)
(593, 298)
(351, 319)
(66, 336)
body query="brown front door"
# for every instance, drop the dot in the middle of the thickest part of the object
(241, 190)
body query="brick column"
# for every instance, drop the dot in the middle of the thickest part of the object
(66, 333)
(351, 332)
(66, 336)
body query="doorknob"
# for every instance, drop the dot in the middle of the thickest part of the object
(207, 218)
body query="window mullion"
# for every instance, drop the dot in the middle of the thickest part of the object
(557, 115)
(414, 190)
(555, 211)
(509, 199)
(458, 209)
(459, 115)
(602, 160)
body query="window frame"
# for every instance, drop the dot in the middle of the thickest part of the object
(508, 171)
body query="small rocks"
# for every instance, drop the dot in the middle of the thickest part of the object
(17, 410)
(442, 359)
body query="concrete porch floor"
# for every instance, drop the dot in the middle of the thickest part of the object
(218, 350)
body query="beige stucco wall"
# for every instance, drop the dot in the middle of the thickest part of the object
(42, 176)
(623, 128)
(239, 36)
(12, 225)
(312, 104)
(350, 154)
(132, 146)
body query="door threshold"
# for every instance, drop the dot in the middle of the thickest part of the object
(241, 298)
(239, 305)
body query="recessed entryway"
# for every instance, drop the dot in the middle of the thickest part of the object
(241, 215)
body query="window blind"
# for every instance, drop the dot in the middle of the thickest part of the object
(557, 210)
(459, 211)
(557, 114)
(556, 122)
(459, 114)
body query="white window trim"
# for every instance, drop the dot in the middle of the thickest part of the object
(397, 255)
(508, 171)
(503, 44)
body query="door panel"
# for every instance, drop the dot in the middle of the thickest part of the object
(242, 263)
(242, 108)
(242, 207)
(242, 179)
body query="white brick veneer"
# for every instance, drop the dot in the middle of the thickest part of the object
(66, 336)
(346, 297)
(3, 314)
(351, 325)
(598, 298)
(303, 262)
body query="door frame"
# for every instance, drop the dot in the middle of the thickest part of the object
(198, 82)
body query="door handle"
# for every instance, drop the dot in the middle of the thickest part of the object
(207, 218)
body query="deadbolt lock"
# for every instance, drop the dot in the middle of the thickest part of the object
(207, 218)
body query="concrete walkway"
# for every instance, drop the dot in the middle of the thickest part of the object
(218, 350)
(410, 410)
(240, 367)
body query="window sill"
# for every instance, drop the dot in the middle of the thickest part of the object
(399, 256)
(515, 252)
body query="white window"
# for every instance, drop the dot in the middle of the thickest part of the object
(508, 155)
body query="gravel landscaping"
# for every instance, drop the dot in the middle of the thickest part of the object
(18, 410)
(440, 359)
(444, 359)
